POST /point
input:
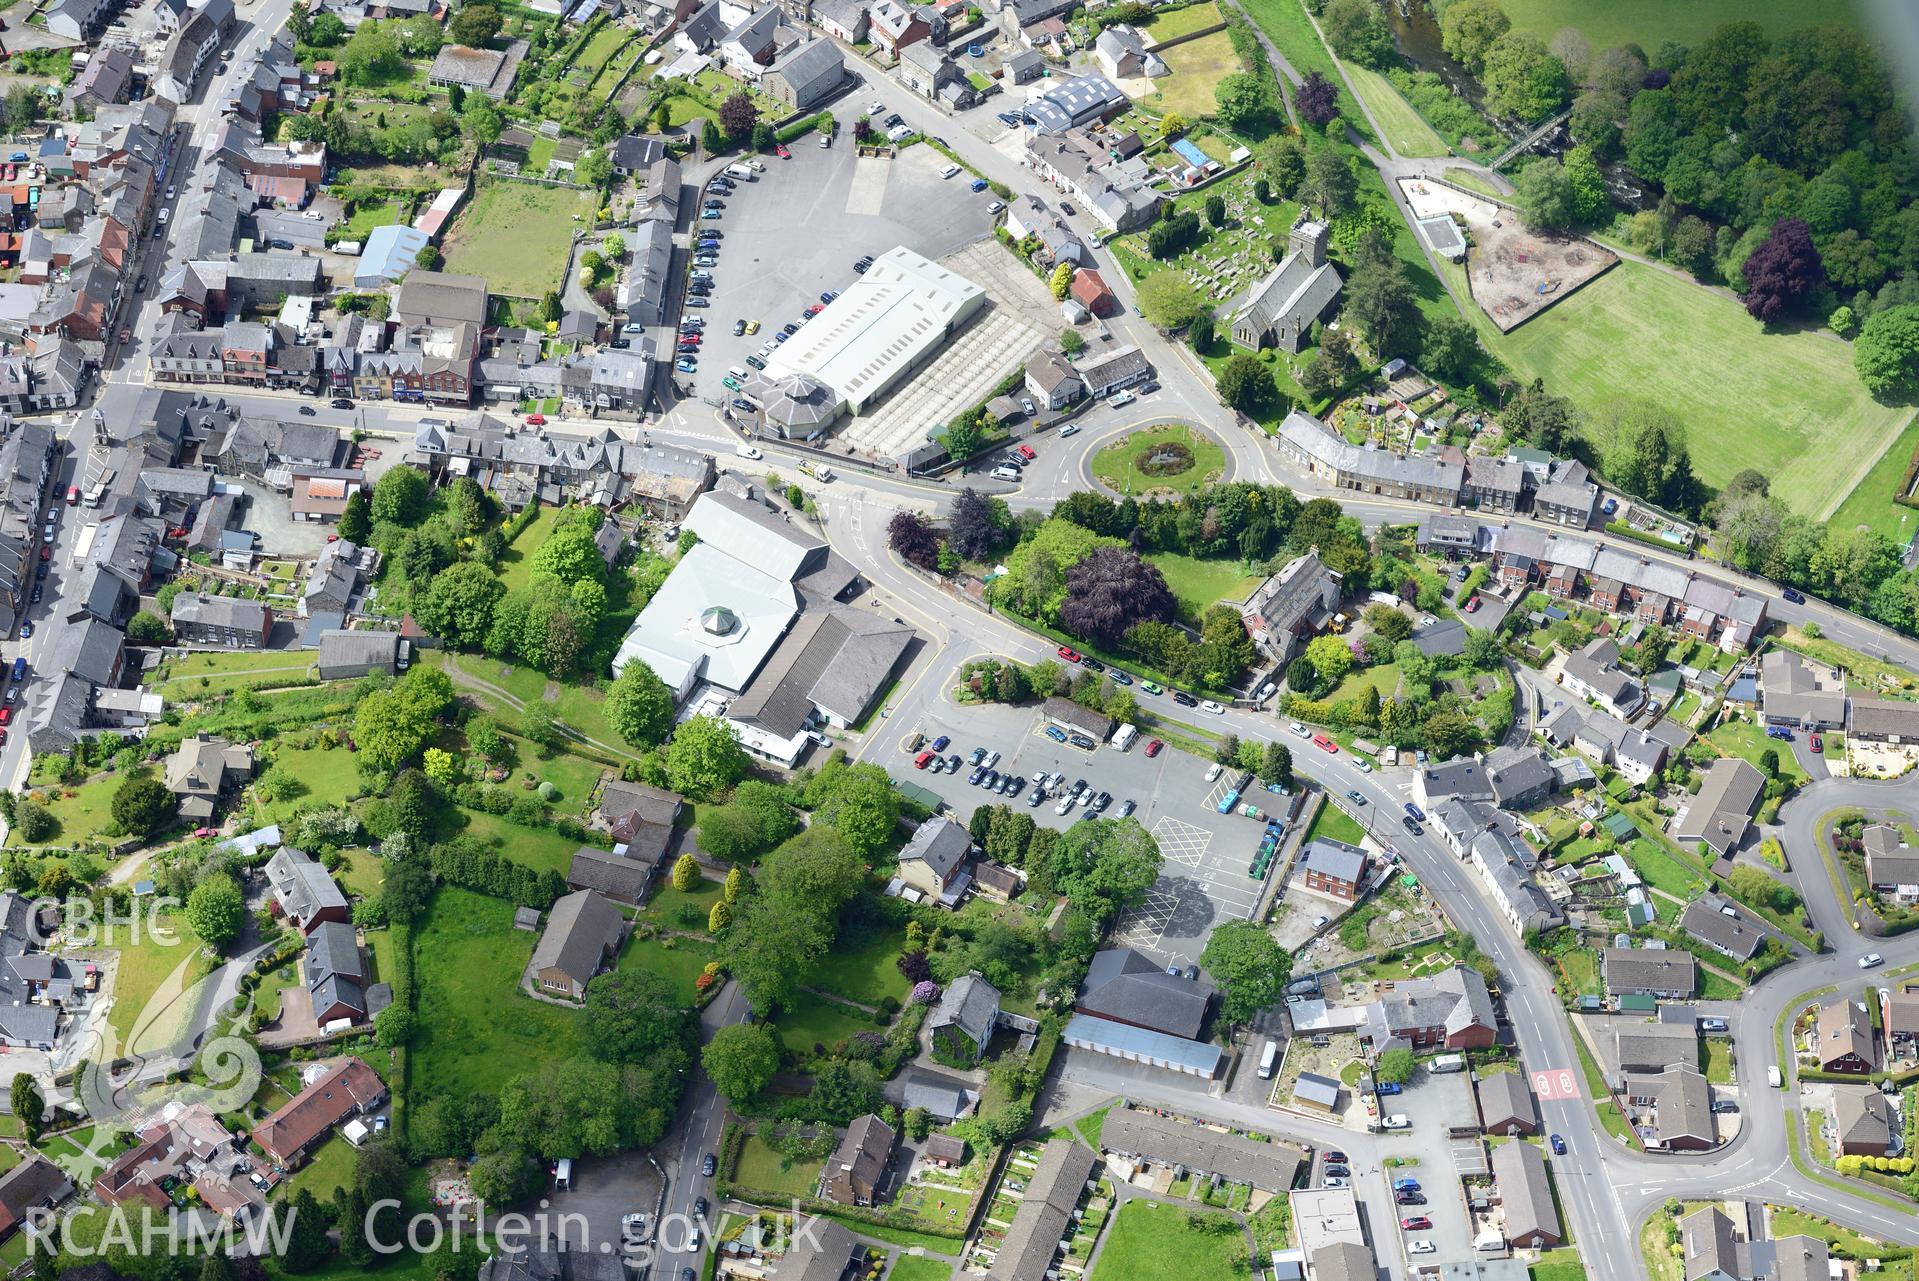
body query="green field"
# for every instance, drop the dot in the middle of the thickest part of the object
(516, 234)
(1118, 465)
(81, 816)
(1197, 66)
(476, 1029)
(1647, 22)
(1334, 824)
(516, 564)
(1287, 26)
(1749, 742)
(1798, 413)
(538, 848)
(1151, 1240)
(327, 777)
(583, 707)
(1198, 584)
(1405, 129)
(1871, 501)
(1175, 23)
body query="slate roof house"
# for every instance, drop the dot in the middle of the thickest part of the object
(1654, 1047)
(1525, 1193)
(1281, 310)
(583, 932)
(856, 1170)
(304, 891)
(1712, 1250)
(1721, 926)
(1506, 1104)
(934, 860)
(1792, 695)
(1720, 815)
(1845, 1041)
(1045, 1212)
(961, 1025)
(1892, 866)
(335, 973)
(1289, 607)
(1333, 868)
(1863, 1121)
(1146, 1136)
(203, 769)
(620, 878)
(222, 620)
(1451, 1009)
(1512, 778)
(35, 1184)
(1665, 973)
(1681, 1104)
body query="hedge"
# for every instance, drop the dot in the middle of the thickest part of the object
(802, 126)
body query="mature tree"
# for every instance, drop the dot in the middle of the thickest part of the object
(1215, 210)
(1317, 100)
(738, 115)
(141, 804)
(1276, 764)
(741, 1058)
(1330, 658)
(1886, 353)
(772, 949)
(306, 1247)
(1169, 300)
(1282, 158)
(1782, 273)
(756, 820)
(371, 54)
(1395, 1067)
(593, 168)
(1111, 590)
(1071, 342)
(634, 1015)
(401, 496)
(962, 438)
(844, 1089)
(912, 538)
(704, 757)
(577, 1107)
(1200, 331)
(1250, 968)
(862, 804)
(1544, 195)
(1172, 235)
(483, 121)
(1381, 302)
(570, 554)
(815, 873)
(457, 606)
(1523, 79)
(1469, 28)
(1588, 186)
(979, 525)
(391, 725)
(1357, 31)
(1244, 101)
(356, 525)
(639, 706)
(1649, 457)
(26, 1104)
(34, 822)
(1450, 348)
(1330, 183)
(1104, 866)
(148, 628)
(1061, 281)
(1246, 383)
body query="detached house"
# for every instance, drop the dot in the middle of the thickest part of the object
(1663, 973)
(934, 861)
(583, 932)
(961, 1025)
(1291, 606)
(203, 770)
(1845, 1041)
(304, 891)
(858, 1167)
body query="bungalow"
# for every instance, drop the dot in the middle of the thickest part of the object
(1863, 1122)
(1506, 1105)
(349, 1088)
(1844, 1040)
(1525, 1193)
(583, 932)
(1663, 973)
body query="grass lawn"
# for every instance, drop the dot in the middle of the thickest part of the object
(538, 848)
(330, 1167)
(327, 778)
(1749, 742)
(1334, 824)
(516, 565)
(816, 1021)
(1787, 1221)
(1404, 127)
(1198, 66)
(863, 970)
(1719, 1060)
(1661, 871)
(1870, 503)
(582, 707)
(1680, 347)
(1714, 986)
(81, 813)
(1200, 584)
(1647, 22)
(1582, 970)
(678, 960)
(152, 983)
(1174, 459)
(1151, 1240)
(914, 1267)
(368, 216)
(476, 1029)
(1384, 678)
(69, 1151)
(182, 673)
(516, 234)
(664, 908)
(763, 1168)
(1092, 1124)
(1473, 182)
(1558, 1265)
(1170, 26)
(1286, 25)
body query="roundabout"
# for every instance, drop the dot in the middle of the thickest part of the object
(1163, 461)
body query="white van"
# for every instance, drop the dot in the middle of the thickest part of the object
(563, 1174)
(1397, 1121)
(1003, 472)
(739, 171)
(1123, 736)
(949, 171)
(1268, 1060)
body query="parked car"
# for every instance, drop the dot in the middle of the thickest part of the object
(940, 743)
(922, 760)
(1418, 1223)
(1055, 733)
(1412, 828)
(1082, 742)
(1421, 1246)
(1818, 743)
(1794, 595)
(1154, 748)
(340, 402)
(1215, 708)
(1184, 699)
(1152, 687)
(1069, 654)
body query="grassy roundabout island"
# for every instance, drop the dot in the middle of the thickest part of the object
(1173, 459)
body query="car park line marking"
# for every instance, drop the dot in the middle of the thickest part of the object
(1181, 842)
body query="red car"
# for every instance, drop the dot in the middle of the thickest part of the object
(1418, 1223)
(1070, 655)
(919, 762)
(203, 831)
(46, 552)
(1026, 452)
(782, 152)
(1818, 744)
(6, 716)
(1472, 604)
(1153, 748)
(536, 420)
(816, 309)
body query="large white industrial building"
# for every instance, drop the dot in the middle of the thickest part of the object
(882, 328)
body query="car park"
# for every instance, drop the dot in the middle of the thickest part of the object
(1154, 748)
(1417, 1223)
